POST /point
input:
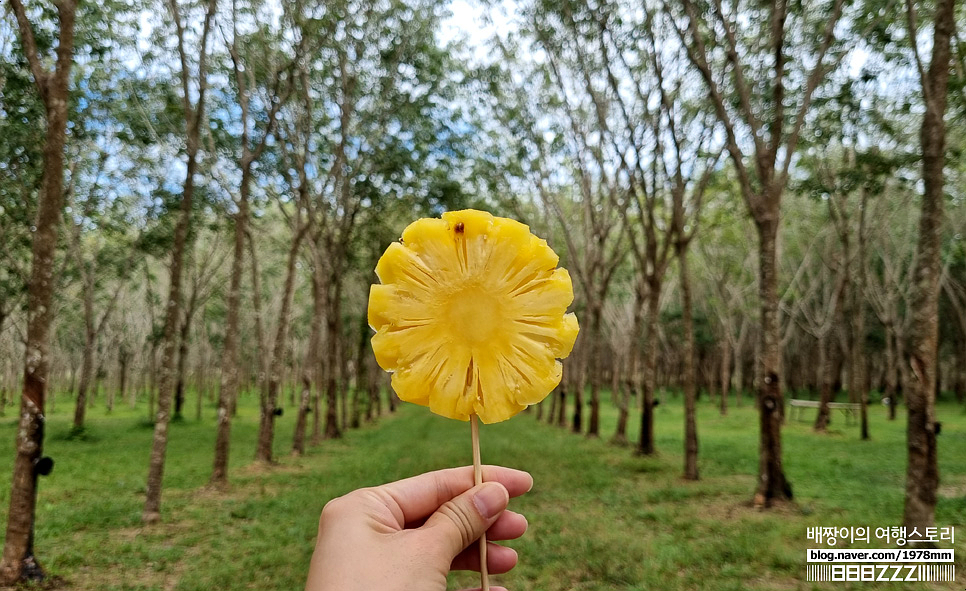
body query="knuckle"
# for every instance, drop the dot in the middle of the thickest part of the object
(463, 518)
(338, 508)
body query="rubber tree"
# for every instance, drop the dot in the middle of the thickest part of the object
(922, 471)
(742, 55)
(18, 561)
(254, 139)
(194, 87)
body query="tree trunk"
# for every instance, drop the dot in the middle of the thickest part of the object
(179, 391)
(922, 473)
(561, 408)
(109, 396)
(298, 440)
(646, 443)
(152, 504)
(87, 368)
(902, 359)
(619, 396)
(826, 379)
(621, 401)
(358, 389)
(580, 385)
(593, 429)
(201, 382)
(551, 413)
(355, 417)
(690, 394)
(269, 399)
(201, 372)
(372, 385)
(370, 397)
(333, 343)
(18, 562)
(259, 332)
(858, 381)
(228, 389)
(310, 367)
(152, 379)
(343, 378)
(123, 359)
(725, 375)
(320, 369)
(891, 371)
(193, 120)
(633, 382)
(391, 395)
(772, 484)
(738, 377)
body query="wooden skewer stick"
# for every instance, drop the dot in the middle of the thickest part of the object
(478, 479)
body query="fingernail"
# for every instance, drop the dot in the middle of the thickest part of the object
(490, 500)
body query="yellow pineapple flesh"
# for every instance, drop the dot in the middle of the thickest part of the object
(470, 316)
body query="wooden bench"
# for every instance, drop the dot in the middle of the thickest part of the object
(849, 408)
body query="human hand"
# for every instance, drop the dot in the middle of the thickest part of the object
(407, 535)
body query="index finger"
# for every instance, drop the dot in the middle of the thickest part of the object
(420, 496)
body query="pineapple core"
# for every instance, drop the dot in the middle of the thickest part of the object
(470, 316)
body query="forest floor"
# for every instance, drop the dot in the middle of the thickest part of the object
(600, 517)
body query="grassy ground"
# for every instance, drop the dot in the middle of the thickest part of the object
(601, 518)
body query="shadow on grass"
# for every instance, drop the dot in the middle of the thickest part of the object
(78, 434)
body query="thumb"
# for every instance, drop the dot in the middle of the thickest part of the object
(464, 519)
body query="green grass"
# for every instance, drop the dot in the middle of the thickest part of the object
(600, 518)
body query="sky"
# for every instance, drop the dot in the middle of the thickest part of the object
(477, 23)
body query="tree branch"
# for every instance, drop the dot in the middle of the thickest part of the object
(814, 79)
(29, 42)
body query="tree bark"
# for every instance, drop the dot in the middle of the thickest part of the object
(922, 474)
(902, 361)
(179, 390)
(580, 384)
(18, 562)
(826, 378)
(298, 439)
(321, 366)
(358, 388)
(645, 444)
(596, 311)
(343, 378)
(620, 387)
(333, 292)
(738, 377)
(372, 385)
(561, 408)
(152, 505)
(725, 375)
(269, 398)
(201, 370)
(228, 390)
(891, 371)
(552, 411)
(688, 381)
(310, 368)
(123, 360)
(259, 332)
(858, 382)
(772, 484)
(87, 368)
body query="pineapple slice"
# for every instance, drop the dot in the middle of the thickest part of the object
(470, 317)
